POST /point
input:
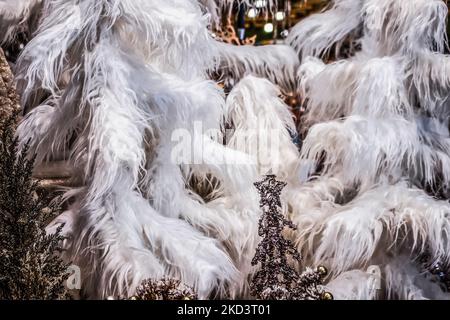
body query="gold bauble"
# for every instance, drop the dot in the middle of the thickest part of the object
(327, 296)
(322, 271)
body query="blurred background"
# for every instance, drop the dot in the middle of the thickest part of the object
(265, 27)
(262, 27)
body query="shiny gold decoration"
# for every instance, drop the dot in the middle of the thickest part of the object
(327, 296)
(322, 271)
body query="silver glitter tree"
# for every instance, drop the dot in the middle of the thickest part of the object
(276, 278)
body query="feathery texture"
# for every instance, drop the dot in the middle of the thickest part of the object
(278, 63)
(327, 30)
(119, 90)
(113, 130)
(376, 150)
(18, 16)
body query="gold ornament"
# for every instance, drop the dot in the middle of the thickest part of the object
(327, 296)
(322, 271)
